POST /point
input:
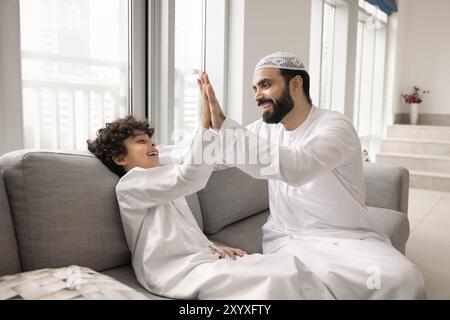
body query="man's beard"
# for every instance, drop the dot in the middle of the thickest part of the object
(280, 108)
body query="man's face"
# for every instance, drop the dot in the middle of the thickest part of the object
(272, 94)
(141, 152)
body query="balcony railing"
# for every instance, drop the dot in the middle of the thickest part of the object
(76, 97)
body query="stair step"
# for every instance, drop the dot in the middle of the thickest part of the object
(424, 133)
(421, 147)
(429, 180)
(438, 164)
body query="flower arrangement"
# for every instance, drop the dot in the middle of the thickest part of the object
(415, 97)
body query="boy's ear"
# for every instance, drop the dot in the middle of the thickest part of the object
(119, 160)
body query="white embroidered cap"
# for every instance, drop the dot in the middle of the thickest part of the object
(281, 60)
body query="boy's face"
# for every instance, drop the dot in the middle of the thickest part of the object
(141, 152)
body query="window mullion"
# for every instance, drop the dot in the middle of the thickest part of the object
(321, 54)
(363, 30)
(373, 80)
(165, 122)
(137, 83)
(332, 59)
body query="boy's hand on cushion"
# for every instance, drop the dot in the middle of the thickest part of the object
(231, 252)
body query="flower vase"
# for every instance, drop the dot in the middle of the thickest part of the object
(414, 113)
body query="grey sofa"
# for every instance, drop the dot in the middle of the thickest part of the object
(59, 209)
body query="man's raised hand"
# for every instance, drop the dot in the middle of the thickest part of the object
(205, 112)
(217, 116)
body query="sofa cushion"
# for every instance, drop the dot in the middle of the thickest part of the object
(245, 234)
(65, 210)
(230, 196)
(126, 275)
(66, 283)
(394, 223)
(9, 261)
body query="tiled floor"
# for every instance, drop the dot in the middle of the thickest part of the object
(429, 242)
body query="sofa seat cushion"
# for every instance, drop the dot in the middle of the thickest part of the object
(231, 196)
(9, 254)
(126, 275)
(66, 283)
(65, 210)
(394, 223)
(245, 234)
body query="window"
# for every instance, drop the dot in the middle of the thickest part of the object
(74, 69)
(371, 52)
(188, 63)
(186, 36)
(328, 53)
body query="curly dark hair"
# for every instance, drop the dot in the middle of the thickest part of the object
(109, 141)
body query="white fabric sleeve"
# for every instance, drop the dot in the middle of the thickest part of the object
(154, 186)
(335, 144)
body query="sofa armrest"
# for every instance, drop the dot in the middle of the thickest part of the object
(387, 186)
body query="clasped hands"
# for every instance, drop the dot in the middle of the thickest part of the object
(212, 114)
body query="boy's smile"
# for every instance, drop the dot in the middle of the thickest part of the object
(141, 152)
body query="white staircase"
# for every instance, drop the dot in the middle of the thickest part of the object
(424, 150)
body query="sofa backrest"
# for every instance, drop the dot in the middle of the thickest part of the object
(387, 186)
(64, 210)
(230, 196)
(9, 254)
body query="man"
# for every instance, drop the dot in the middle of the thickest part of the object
(316, 187)
(171, 256)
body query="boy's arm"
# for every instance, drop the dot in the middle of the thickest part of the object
(154, 186)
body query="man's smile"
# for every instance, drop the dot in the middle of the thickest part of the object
(265, 105)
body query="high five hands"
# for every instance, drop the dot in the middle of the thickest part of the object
(212, 114)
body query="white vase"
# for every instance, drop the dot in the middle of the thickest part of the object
(414, 113)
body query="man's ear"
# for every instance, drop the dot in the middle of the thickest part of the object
(119, 160)
(297, 83)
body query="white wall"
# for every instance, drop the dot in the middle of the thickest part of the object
(424, 53)
(11, 133)
(258, 28)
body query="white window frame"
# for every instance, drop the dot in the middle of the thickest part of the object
(11, 124)
(137, 58)
(161, 68)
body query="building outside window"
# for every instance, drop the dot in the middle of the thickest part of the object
(75, 69)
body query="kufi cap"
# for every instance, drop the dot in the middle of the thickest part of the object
(281, 60)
